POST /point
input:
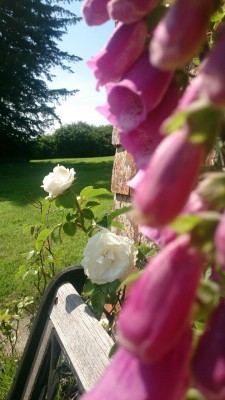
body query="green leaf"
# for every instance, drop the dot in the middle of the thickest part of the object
(92, 203)
(116, 213)
(87, 213)
(131, 278)
(42, 238)
(184, 223)
(44, 210)
(67, 199)
(21, 271)
(88, 288)
(89, 191)
(98, 302)
(113, 350)
(56, 235)
(70, 228)
(175, 122)
(118, 225)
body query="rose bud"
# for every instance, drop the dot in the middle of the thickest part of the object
(127, 377)
(166, 183)
(130, 10)
(142, 141)
(158, 310)
(208, 365)
(180, 33)
(95, 12)
(220, 242)
(122, 50)
(141, 90)
(211, 74)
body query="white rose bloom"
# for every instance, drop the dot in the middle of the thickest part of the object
(108, 257)
(58, 181)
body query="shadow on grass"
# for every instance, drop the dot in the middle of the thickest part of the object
(21, 182)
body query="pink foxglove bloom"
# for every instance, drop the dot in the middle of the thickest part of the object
(208, 366)
(211, 74)
(179, 35)
(95, 12)
(130, 10)
(166, 183)
(140, 91)
(159, 307)
(220, 242)
(165, 235)
(128, 378)
(122, 50)
(142, 141)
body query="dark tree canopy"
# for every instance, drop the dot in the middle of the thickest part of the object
(29, 34)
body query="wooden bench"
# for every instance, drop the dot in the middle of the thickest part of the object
(65, 339)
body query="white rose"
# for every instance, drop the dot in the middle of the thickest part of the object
(58, 181)
(108, 257)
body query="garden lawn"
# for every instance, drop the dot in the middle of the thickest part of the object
(20, 190)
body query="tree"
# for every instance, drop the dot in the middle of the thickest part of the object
(29, 35)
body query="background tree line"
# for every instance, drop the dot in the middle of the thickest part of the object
(74, 140)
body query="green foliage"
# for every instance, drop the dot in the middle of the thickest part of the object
(29, 36)
(8, 367)
(75, 140)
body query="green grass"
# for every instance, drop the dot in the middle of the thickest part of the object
(20, 190)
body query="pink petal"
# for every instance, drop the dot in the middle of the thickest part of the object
(95, 12)
(140, 91)
(180, 33)
(127, 378)
(130, 10)
(158, 309)
(122, 50)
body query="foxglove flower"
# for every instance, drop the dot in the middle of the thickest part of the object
(180, 33)
(130, 10)
(159, 307)
(122, 50)
(166, 183)
(220, 242)
(140, 91)
(165, 235)
(128, 378)
(208, 366)
(211, 74)
(95, 12)
(142, 141)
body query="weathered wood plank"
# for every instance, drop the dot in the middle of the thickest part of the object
(84, 340)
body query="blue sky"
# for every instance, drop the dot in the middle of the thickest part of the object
(83, 41)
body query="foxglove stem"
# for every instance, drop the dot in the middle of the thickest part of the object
(159, 307)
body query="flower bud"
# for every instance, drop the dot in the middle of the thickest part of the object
(122, 50)
(211, 74)
(158, 309)
(180, 33)
(212, 190)
(130, 10)
(220, 242)
(127, 377)
(140, 91)
(142, 141)
(166, 183)
(95, 12)
(208, 366)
